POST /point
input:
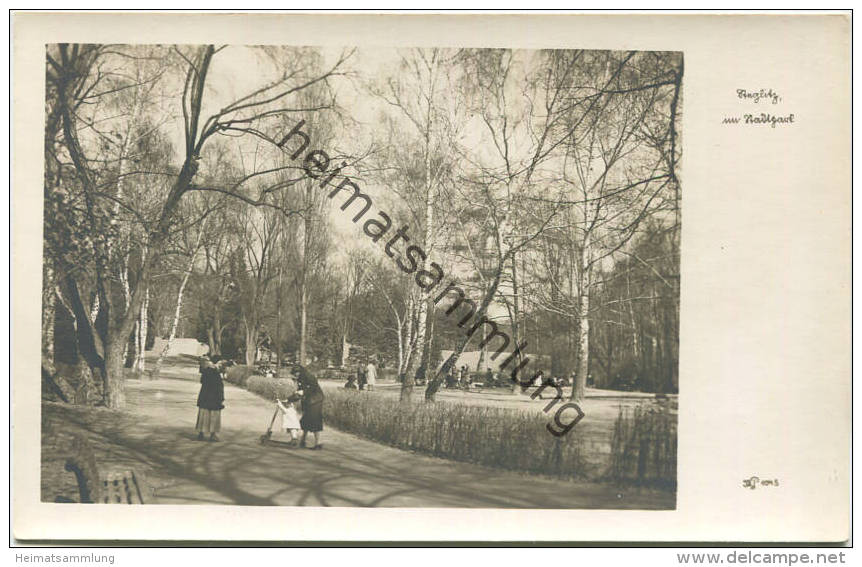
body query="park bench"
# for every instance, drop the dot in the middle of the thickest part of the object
(122, 488)
(115, 487)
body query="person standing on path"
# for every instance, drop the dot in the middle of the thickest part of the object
(371, 374)
(312, 407)
(360, 376)
(210, 401)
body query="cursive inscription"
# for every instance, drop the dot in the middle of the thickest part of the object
(756, 96)
(763, 118)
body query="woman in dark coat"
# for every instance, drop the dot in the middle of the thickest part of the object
(210, 401)
(312, 407)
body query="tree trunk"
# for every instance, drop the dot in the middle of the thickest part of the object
(583, 356)
(400, 351)
(306, 251)
(89, 344)
(415, 351)
(345, 350)
(303, 322)
(140, 363)
(211, 341)
(583, 349)
(429, 345)
(176, 321)
(418, 351)
(49, 298)
(114, 390)
(416, 361)
(483, 350)
(516, 311)
(250, 344)
(118, 328)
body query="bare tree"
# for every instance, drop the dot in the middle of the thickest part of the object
(422, 98)
(615, 178)
(75, 74)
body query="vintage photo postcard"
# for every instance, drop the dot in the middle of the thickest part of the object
(456, 277)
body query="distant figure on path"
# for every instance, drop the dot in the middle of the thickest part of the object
(361, 377)
(451, 381)
(538, 380)
(210, 401)
(464, 378)
(312, 407)
(371, 375)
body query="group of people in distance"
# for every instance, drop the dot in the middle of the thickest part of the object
(461, 378)
(365, 377)
(309, 394)
(464, 379)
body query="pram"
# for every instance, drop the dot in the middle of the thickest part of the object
(266, 436)
(290, 420)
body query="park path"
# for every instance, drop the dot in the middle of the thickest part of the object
(349, 471)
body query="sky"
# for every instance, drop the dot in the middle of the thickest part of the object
(238, 70)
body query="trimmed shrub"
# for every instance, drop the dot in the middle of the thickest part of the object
(643, 449)
(270, 388)
(239, 374)
(496, 437)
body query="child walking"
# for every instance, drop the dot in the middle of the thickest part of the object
(289, 417)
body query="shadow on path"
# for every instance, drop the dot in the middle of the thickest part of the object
(156, 434)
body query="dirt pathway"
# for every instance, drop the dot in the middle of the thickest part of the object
(158, 435)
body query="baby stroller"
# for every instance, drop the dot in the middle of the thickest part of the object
(287, 393)
(266, 436)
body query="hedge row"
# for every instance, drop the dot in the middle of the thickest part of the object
(239, 374)
(497, 437)
(271, 388)
(643, 447)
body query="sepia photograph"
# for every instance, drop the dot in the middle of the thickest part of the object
(402, 279)
(361, 277)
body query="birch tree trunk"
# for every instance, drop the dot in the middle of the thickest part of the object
(430, 202)
(127, 298)
(250, 342)
(303, 299)
(345, 350)
(140, 364)
(400, 351)
(516, 308)
(409, 336)
(176, 321)
(303, 322)
(583, 357)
